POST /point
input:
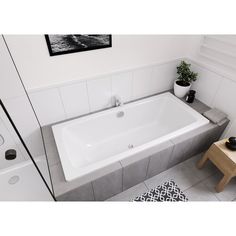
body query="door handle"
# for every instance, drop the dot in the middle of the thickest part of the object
(10, 154)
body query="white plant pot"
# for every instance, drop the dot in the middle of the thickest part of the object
(181, 91)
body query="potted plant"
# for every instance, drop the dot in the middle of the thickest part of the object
(184, 80)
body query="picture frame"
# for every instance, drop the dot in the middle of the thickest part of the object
(73, 43)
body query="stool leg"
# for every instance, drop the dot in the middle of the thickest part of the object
(221, 185)
(203, 161)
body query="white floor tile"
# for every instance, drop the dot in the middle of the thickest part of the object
(208, 170)
(198, 185)
(200, 192)
(228, 194)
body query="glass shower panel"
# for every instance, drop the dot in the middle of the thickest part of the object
(17, 104)
(19, 178)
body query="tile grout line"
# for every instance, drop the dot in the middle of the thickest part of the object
(216, 92)
(170, 157)
(132, 92)
(122, 179)
(148, 189)
(149, 160)
(62, 103)
(89, 103)
(93, 190)
(201, 181)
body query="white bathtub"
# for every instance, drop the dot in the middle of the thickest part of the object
(91, 142)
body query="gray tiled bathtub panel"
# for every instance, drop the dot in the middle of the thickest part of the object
(194, 142)
(137, 168)
(82, 193)
(108, 185)
(135, 173)
(159, 161)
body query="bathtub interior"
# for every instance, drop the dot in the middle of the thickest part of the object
(91, 139)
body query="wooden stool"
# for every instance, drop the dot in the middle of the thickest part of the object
(223, 159)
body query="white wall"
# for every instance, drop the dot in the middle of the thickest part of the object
(39, 70)
(216, 86)
(69, 100)
(216, 90)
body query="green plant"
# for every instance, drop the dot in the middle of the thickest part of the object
(186, 76)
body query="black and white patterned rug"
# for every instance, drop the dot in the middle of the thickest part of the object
(168, 191)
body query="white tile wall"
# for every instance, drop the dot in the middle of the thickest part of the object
(68, 101)
(99, 91)
(142, 83)
(48, 106)
(72, 100)
(217, 91)
(225, 97)
(75, 99)
(163, 76)
(122, 85)
(206, 85)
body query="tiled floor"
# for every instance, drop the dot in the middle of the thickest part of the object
(198, 185)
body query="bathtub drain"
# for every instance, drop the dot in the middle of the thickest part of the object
(130, 146)
(14, 179)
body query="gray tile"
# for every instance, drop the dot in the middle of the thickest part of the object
(50, 146)
(159, 161)
(228, 194)
(62, 186)
(83, 193)
(200, 192)
(194, 142)
(207, 138)
(223, 126)
(108, 185)
(135, 168)
(180, 151)
(135, 173)
(130, 193)
(181, 174)
(197, 105)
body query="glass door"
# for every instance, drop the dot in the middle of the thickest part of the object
(20, 176)
(22, 146)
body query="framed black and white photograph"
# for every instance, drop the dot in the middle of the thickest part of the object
(62, 44)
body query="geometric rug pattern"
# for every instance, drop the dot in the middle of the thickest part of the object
(167, 192)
